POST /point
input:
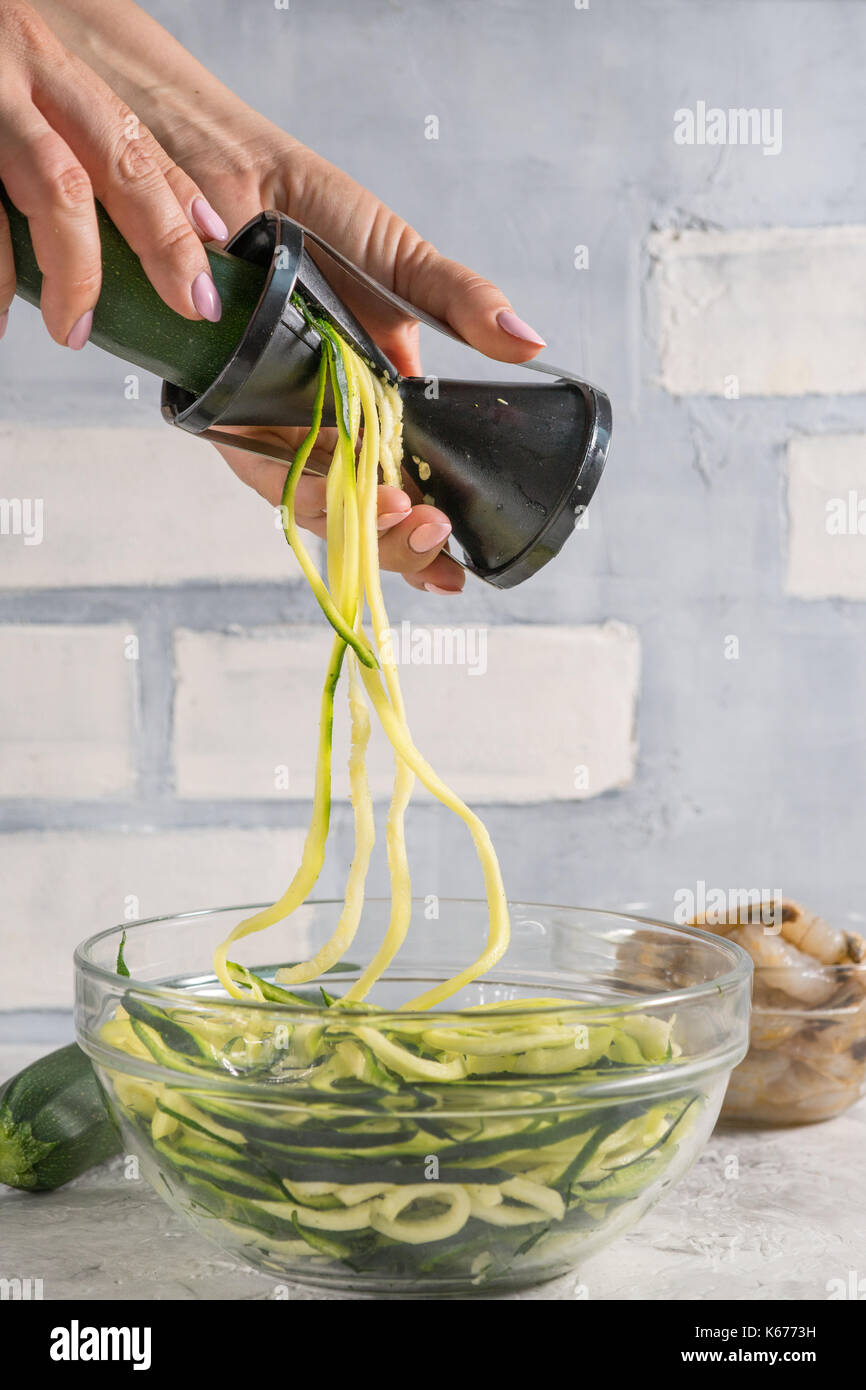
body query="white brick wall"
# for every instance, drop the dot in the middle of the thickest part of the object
(827, 516)
(551, 718)
(132, 506)
(779, 309)
(66, 711)
(60, 887)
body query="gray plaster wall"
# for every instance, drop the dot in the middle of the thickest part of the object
(556, 129)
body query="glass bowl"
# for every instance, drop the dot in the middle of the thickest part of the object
(807, 1048)
(807, 1045)
(374, 1149)
(803, 1065)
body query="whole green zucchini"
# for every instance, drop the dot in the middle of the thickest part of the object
(53, 1122)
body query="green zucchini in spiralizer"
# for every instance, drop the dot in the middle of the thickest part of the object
(132, 322)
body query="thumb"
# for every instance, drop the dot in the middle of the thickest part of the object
(469, 304)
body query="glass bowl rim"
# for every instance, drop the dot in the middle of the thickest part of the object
(815, 1014)
(739, 973)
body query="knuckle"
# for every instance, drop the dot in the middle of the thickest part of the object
(71, 186)
(176, 238)
(414, 257)
(414, 250)
(127, 124)
(177, 180)
(133, 160)
(86, 285)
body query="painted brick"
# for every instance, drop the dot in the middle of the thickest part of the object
(60, 887)
(827, 516)
(67, 711)
(778, 309)
(130, 506)
(550, 717)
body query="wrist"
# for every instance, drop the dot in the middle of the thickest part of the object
(189, 111)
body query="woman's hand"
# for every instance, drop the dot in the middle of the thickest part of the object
(66, 139)
(246, 164)
(259, 167)
(411, 538)
(242, 163)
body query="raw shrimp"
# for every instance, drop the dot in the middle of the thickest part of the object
(807, 1055)
(803, 1109)
(834, 1066)
(766, 1087)
(845, 1031)
(821, 1106)
(856, 947)
(813, 935)
(772, 1029)
(784, 967)
(809, 933)
(755, 1081)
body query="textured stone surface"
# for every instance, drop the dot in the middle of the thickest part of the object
(792, 1220)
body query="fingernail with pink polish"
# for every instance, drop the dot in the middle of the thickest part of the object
(208, 220)
(389, 519)
(205, 297)
(80, 332)
(437, 589)
(517, 328)
(4, 322)
(425, 537)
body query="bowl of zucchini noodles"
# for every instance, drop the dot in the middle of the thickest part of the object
(403, 1096)
(489, 1142)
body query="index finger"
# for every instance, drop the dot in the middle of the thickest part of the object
(48, 185)
(129, 172)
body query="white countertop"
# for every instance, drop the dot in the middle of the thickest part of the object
(763, 1214)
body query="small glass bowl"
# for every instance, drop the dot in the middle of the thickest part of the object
(803, 1065)
(807, 1050)
(430, 1183)
(807, 1047)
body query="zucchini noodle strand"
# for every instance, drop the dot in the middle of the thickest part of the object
(313, 855)
(371, 412)
(290, 526)
(346, 579)
(377, 445)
